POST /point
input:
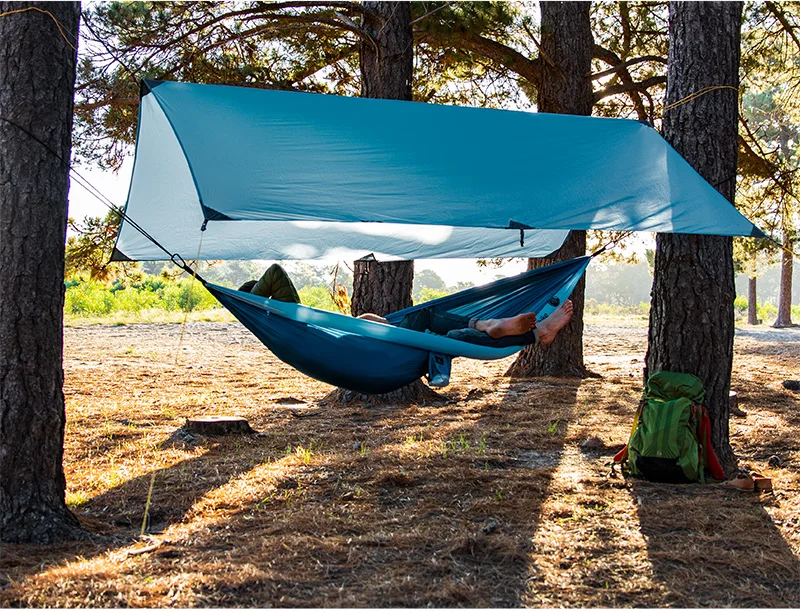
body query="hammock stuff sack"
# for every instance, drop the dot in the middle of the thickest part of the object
(371, 357)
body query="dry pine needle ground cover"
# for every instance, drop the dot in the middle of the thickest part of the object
(496, 496)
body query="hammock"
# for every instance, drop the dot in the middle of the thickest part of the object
(370, 357)
(250, 167)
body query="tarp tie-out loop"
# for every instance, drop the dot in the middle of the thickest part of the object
(180, 262)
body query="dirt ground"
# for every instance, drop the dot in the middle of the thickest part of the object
(498, 495)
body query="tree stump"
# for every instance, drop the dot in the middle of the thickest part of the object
(792, 385)
(218, 426)
(734, 403)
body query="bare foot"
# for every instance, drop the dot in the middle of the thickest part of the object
(512, 326)
(554, 323)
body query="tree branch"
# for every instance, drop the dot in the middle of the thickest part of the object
(109, 101)
(490, 49)
(621, 70)
(781, 17)
(759, 161)
(625, 64)
(628, 87)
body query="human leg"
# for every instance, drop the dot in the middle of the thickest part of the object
(544, 332)
(275, 284)
(549, 327)
(429, 319)
(510, 326)
(520, 330)
(473, 336)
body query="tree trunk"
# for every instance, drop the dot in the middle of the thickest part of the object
(691, 314)
(387, 66)
(566, 59)
(37, 77)
(382, 287)
(785, 292)
(564, 357)
(752, 301)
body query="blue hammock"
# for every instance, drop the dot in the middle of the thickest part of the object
(371, 357)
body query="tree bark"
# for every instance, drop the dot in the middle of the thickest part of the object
(382, 287)
(37, 77)
(564, 88)
(387, 66)
(752, 301)
(784, 318)
(691, 314)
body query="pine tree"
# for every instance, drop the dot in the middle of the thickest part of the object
(564, 88)
(37, 75)
(691, 315)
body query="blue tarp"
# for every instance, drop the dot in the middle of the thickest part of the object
(254, 155)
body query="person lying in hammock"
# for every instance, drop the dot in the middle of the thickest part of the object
(520, 330)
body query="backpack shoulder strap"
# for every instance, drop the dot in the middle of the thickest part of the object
(622, 455)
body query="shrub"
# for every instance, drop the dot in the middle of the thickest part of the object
(88, 298)
(93, 298)
(767, 311)
(186, 294)
(318, 297)
(426, 294)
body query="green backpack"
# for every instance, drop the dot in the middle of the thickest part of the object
(667, 442)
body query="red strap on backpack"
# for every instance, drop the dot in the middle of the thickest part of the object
(711, 459)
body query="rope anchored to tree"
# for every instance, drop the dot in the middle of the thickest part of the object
(697, 94)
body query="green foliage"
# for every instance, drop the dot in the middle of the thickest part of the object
(426, 279)
(426, 294)
(598, 309)
(89, 250)
(740, 304)
(766, 311)
(313, 47)
(635, 33)
(318, 297)
(252, 44)
(95, 298)
(770, 137)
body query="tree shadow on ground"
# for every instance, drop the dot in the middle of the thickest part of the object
(408, 507)
(779, 335)
(702, 535)
(114, 518)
